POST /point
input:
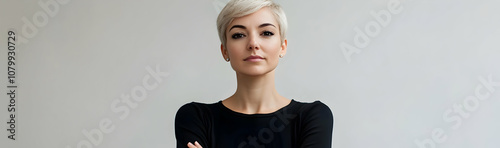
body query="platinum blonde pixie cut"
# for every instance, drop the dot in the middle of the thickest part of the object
(239, 8)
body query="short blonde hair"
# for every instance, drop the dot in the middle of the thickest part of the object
(240, 8)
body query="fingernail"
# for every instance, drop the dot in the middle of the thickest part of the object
(196, 142)
(189, 144)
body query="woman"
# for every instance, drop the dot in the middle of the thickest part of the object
(252, 33)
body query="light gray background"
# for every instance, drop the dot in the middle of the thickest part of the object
(395, 91)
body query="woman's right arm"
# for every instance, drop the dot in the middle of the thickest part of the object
(189, 127)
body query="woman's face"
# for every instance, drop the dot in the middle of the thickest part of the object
(254, 35)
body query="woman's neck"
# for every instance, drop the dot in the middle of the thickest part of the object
(256, 94)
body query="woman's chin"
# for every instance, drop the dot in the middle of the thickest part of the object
(253, 72)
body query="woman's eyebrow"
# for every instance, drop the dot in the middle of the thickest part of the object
(243, 27)
(238, 26)
(266, 24)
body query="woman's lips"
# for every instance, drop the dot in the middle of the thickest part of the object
(254, 58)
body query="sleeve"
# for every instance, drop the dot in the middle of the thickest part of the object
(190, 126)
(318, 127)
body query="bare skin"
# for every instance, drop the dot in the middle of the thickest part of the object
(195, 145)
(256, 34)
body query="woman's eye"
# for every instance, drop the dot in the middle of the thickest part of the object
(267, 33)
(237, 35)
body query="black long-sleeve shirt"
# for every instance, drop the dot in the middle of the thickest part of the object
(297, 125)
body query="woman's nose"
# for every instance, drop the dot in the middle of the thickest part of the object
(253, 42)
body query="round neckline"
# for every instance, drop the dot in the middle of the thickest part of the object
(292, 102)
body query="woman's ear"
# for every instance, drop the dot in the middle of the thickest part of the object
(283, 47)
(224, 52)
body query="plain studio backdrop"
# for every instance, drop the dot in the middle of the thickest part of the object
(398, 74)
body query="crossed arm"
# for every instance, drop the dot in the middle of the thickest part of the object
(316, 131)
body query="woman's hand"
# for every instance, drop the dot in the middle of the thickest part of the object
(195, 145)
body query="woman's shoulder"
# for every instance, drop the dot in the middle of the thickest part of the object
(307, 106)
(196, 108)
(312, 109)
(194, 113)
(198, 105)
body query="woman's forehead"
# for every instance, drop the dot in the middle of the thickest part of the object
(256, 19)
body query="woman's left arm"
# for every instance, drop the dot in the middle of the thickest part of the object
(317, 127)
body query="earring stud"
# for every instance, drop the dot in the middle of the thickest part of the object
(281, 55)
(227, 60)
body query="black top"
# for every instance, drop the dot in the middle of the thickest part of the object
(297, 125)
